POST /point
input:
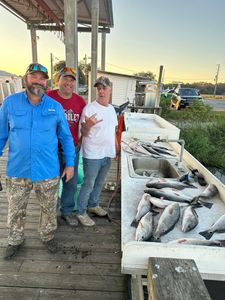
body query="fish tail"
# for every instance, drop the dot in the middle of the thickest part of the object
(206, 204)
(206, 234)
(196, 201)
(134, 223)
(222, 243)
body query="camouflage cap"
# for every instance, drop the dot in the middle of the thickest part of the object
(102, 80)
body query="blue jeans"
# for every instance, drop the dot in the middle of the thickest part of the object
(69, 188)
(95, 171)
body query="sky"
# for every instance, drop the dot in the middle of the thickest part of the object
(186, 37)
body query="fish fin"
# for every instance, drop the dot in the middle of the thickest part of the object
(206, 234)
(222, 243)
(206, 204)
(134, 223)
(189, 185)
(154, 212)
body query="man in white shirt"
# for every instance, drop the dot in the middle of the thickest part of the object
(99, 145)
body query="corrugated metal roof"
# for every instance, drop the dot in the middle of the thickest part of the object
(49, 14)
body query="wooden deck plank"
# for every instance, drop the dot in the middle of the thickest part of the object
(87, 265)
(19, 293)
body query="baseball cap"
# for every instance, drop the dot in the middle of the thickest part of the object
(35, 67)
(102, 80)
(66, 71)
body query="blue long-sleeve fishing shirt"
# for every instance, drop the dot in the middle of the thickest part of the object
(33, 132)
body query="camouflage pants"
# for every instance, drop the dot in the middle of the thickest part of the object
(18, 192)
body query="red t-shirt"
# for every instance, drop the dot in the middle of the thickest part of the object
(73, 108)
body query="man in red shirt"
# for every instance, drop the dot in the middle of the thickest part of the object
(73, 105)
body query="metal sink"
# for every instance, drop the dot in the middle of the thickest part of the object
(145, 167)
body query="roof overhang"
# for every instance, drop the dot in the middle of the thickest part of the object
(49, 14)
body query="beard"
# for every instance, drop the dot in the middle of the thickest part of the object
(36, 89)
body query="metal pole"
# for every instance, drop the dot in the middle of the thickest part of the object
(94, 45)
(51, 59)
(157, 98)
(103, 51)
(216, 78)
(71, 37)
(34, 45)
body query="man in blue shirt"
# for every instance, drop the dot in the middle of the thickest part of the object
(33, 124)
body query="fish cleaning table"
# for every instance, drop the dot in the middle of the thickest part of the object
(209, 260)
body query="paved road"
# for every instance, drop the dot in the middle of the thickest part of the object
(218, 105)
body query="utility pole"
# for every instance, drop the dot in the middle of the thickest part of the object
(216, 78)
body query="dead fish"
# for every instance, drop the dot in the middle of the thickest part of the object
(199, 242)
(127, 149)
(156, 146)
(162, 203)
(189, 219)
(172, 195)
(150, 150)
(167, 220)
(145, 227)
(159, 183)
(175, 195)
(218, 226)
(144, 206)
(210, 191)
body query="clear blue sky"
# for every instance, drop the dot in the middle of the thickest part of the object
(186, 37)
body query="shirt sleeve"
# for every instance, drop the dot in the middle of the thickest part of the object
(4, 128)
(65, 139)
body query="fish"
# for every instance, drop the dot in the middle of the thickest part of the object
(172, 195)
(145, 227)
(199, 242)
(151, 150)
(167, 220)
(144, 206)
(159, 183)
(157, 150)
(210, 191)
(189, 219)
(162, 203)
(177, 196)
(218, 226)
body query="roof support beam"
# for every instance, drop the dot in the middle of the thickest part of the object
(34, 45)
(71, 37)
(56, 28)
(103, 51)
(94, 46)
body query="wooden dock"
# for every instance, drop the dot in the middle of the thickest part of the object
(87, 265)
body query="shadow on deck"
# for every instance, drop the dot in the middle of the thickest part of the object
(87, 265)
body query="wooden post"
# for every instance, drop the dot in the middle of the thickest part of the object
(175, 279)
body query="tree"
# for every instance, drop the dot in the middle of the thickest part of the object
(60, 65)
(147, 74)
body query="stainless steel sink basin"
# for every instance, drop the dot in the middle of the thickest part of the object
(145, 167)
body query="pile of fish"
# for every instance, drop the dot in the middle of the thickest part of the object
(163, 198)
(136, 146)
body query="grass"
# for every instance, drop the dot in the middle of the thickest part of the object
(203, 131)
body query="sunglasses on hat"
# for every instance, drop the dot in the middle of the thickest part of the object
(37, 68)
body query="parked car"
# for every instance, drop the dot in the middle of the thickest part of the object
(82, 89)
(182, 97)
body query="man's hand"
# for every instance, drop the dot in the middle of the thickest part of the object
(68, 172)
(89, 122)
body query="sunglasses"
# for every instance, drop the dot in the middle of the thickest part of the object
(37, 67)
(67, 69)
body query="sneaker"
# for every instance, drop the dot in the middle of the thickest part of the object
(85, 220)
(11, 251)
(98, 210)
(52, 246)
(71, 220)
